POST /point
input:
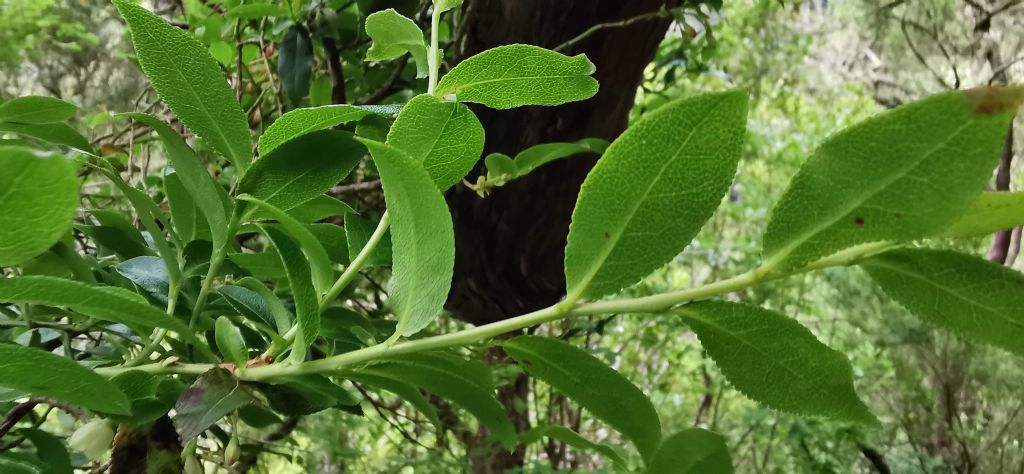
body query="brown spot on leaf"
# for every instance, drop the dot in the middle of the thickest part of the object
(858, 220)
(607, 236)
(992, 100)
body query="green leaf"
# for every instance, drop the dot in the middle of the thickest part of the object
(151, 397)
(62, 379)
(106, 303)
(452, 379)
(599, 389)
(282, 317)
(394, 35)
(213, 395)
(518, 74)
(264, 265)
(500, 169)
(319, 261)
(248, 303)
(55, 133)
(116, 240)
(230, 342)
(50, 450)
(295, 62)
(38, 201)
(653, 190)
(902, 175)
(194, 176)
(314, 210)
(255, 11)
(12, 464)
(36, 109)
(374, 127)
(358, 232)
(990, 213)
(307, 310)
(445, 137)
(306, 394)
(973, 297)
(149, 274)
(534, 157)
(692, 451)
(776, 361)
(422, 238)
(574, 439)
(302, 169)
(299, 122)
(188, 220)
(332, 239)
(190, 82)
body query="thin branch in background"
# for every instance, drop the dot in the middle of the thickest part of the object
(15, 414)
(238, 60)
(875, 458)
(249, 457)
(1000, 249)
(613, 24)
(385, 88)
(904, 23)
(335, 70)
(1000, 71)
(355, 188)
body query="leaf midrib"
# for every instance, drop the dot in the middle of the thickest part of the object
(917, 276)
(189, 87)
(782, 254)
(613, 241)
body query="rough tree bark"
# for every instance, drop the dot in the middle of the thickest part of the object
(509, 246)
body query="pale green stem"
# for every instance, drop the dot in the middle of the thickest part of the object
(475, 335)
(352, 271)
(159, 333)
(339, 286)
(432, 53)
(216, 260)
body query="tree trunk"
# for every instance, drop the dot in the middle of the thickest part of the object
(510, 245)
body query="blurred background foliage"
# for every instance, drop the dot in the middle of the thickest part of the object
(811, 67)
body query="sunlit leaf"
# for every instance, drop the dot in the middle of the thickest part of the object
(44, 374)
(445, 137)
(38, 200)
(517, 75)
(902, 175)
(394, 35)
(653, 190)
(422, 238)
(190, 82)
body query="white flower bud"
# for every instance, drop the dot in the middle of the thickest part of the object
(93, 439)
(232, 452)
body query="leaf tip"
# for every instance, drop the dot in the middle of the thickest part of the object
(994, 100)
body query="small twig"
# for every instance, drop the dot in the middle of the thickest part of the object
(15, 415)
(613, 24)
(335, 70)
(385, 88)
(999, 71)
(920, 57)
(248, 458)
(355, 188)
